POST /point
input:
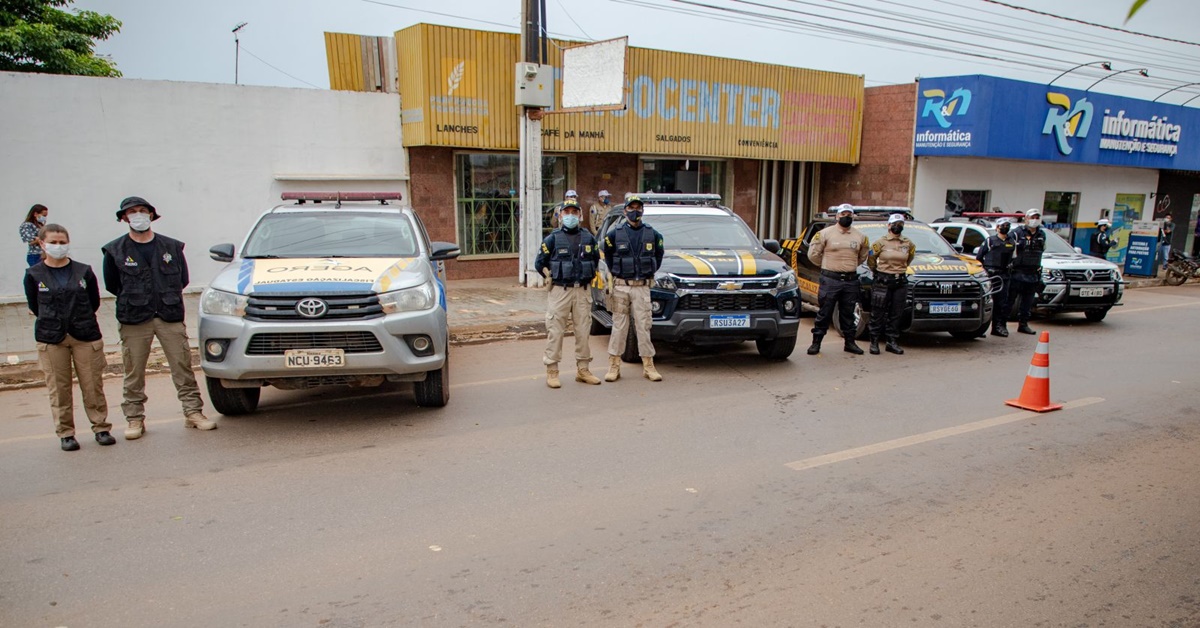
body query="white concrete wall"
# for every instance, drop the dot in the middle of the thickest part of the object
(210, 157)
(1019, 185)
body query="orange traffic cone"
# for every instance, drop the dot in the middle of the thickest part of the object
(1036, 393)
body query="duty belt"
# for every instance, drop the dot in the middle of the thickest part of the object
(833, 274)
(631, 282)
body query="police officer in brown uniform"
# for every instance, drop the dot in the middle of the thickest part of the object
(889, 260)
(839, 250)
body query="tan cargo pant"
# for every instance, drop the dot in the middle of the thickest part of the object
(87, 358)
(135, 351)
(563, 305)
(627, 300)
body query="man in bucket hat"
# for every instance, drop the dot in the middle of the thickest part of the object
(148, 272)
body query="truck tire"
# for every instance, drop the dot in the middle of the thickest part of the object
(231, 401)
(862, 320)
(630, 355)
(434, 391)
(1096, 315)
(777, 349)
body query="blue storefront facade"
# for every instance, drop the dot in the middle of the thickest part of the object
(984, 143)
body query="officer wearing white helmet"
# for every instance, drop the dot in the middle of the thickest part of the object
(1030, 242)
(888, 261)
(838, 249)
(599, 210)
(1102, 241)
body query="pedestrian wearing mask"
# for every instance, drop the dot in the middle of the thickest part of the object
(64, 296)
(888, 261)
(35, 219)
(1101, 240)
(569, 258)
(839, 250)
(634, 251)
(556, 216)
(1164, 238)
(148, 272)
(598, 211)
(1030, 242)
(996, 255)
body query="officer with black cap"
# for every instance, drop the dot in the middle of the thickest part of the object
(148, 272)
(838, 249)
(634, 251)
(996, 255)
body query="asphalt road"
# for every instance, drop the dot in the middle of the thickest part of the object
(823, 491)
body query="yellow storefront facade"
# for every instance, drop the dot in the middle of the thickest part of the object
(755, 133)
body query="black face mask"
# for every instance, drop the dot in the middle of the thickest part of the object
(896, 228)
(633, 215)
(1003, 230)
(846, 221)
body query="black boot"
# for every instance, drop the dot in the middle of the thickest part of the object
(874, 346)
(892, 347)
(850, 347)
(1025, 329)
(815, 347)
(1000, 331)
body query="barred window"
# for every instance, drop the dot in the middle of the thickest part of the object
(488, 199)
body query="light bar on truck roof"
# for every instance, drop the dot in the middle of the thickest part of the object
(660, 198)
(339, 197)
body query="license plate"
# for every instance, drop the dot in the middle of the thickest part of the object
(1091, 292)
(729, 321)
(945, 308)
(314, 358)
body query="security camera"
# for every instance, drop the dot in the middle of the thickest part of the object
(530, 70)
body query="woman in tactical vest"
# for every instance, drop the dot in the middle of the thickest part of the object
(64, 296)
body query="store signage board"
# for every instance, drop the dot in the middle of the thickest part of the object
(985, 116)
(1142, 254)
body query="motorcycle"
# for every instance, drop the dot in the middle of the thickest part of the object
(1181, 267)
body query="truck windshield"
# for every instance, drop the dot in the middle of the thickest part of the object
(332, 234)
(702, 232)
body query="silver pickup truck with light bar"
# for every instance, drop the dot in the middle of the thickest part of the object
(335, 288)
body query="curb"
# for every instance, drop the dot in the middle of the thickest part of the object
(29, 375)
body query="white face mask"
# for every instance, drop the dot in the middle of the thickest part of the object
(41, 219)
(57, 251)
(1034, 223)
(140, 222)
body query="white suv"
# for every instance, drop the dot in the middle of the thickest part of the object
(343, 292)
(1074, 282)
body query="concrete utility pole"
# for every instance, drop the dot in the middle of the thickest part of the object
(237, 51)
(530, 236)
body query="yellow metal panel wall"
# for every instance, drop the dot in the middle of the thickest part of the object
(344, 54)
(459, 84)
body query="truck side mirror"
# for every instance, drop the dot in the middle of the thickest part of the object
(222, 252)
(771, 245)
(442, 251)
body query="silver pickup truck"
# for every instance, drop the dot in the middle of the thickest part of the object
(333, 289)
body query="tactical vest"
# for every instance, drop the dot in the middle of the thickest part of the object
(1031, 245)
(633, 260)
(63, 310)
(151, 288)
(999, 254)
(572, 267)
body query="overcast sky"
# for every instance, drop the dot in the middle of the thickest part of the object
(887, 41)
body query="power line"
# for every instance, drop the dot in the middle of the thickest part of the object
(264, 62)
(585, 34)
(1077, 21)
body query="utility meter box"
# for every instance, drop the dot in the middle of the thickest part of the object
(534, 85)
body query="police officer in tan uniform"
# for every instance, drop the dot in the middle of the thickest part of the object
(889, 260)
(569, 257)
(598, 211)
(839, 250)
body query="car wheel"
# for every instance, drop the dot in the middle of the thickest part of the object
(631, 355)
(232, 401)
(777, 349)
(1096, 316)
(434, 392)
(861, 322)
(964, 335)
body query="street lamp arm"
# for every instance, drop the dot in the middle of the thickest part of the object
(1173, 89)
(1104, 64)
(1141, 71)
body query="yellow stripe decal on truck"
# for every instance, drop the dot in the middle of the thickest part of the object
(749, 264)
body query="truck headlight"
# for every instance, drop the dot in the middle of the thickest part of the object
(1051, 275)
(665, 282)
(408, 300)
(787, 279)
(220, 303)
